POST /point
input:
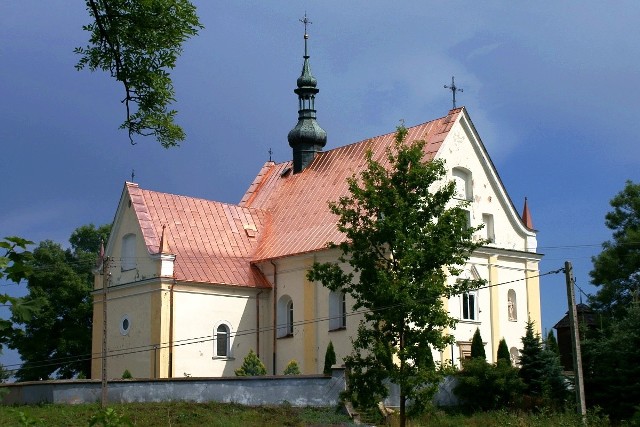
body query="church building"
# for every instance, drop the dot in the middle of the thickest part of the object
(193, 285)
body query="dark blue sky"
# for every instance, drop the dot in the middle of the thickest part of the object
(552, 88)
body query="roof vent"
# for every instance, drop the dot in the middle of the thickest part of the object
(285, 172)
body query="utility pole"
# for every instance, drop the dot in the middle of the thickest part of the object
(105, 284)
(575, 340)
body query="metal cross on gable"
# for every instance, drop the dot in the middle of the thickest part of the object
(453, 90)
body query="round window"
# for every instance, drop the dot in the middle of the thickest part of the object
(125, 325)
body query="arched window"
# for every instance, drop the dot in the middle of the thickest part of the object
(128, 253)
(462, 178)
(285, 316)
(222, 340)
(337, 310)
(512, 306)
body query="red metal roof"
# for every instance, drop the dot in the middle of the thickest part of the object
(213, 242)
(281, 213)
(300, 220)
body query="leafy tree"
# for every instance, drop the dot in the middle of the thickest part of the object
(616, 270)
(484, 386)
(56, 340)
(477, 347)
(611, 363)
(329, 359)
(251, 366)
(503, 352)
(137, 42)
(540, 370)
(403, 240)
(292, 368)
(15, 267)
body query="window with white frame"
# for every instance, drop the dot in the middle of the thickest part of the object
(128, 252)
(470, 306)
(222, 340)
(337, 310)
(462, 179)
(285, 316)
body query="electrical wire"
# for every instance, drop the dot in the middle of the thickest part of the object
(209, 338)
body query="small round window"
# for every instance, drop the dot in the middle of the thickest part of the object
(125, 325)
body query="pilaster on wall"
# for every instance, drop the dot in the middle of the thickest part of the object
(532, 278)
(495, 306)
(446, 356)
(159, 358)
(309, 327)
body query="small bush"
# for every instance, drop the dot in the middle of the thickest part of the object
(477, 347)
(292, 368)
(503, 352)
(251, 366)
(126, 375)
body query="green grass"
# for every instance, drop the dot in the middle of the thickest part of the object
(232, 415)
(174, 414)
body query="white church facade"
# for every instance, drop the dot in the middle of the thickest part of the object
(193, 285)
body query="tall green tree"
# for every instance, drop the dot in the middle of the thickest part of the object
(551, 343)
(540, 370)
(56, 340)
(616, 270)
(138, 42)
(404, 238)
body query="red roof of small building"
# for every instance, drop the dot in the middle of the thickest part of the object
(213, 242)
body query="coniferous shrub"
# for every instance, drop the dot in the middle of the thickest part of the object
(251, 366)
(484, 386)
(503, 352)
(126, 375)
(541, 372)
(552, 344)
(477, 347)
(292, 368)
(329, 359)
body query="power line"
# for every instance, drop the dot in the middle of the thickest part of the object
(209, 338)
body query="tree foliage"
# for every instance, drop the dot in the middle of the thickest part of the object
(15, 267)
(540, 370)
(251, 366)
(551, 343)
(329, 359)
(404, 238)
(503, 352)
(56, 340)
(616, 270)
(137, 42)
(477, 347)
(611, 363)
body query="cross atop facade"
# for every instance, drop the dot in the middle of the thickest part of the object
(133, 174)
(270, 153)
(453, 90)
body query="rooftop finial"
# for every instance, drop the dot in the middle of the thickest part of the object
(306, 22)
(453, 90)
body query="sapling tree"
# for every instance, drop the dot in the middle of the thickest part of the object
(405, 235)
